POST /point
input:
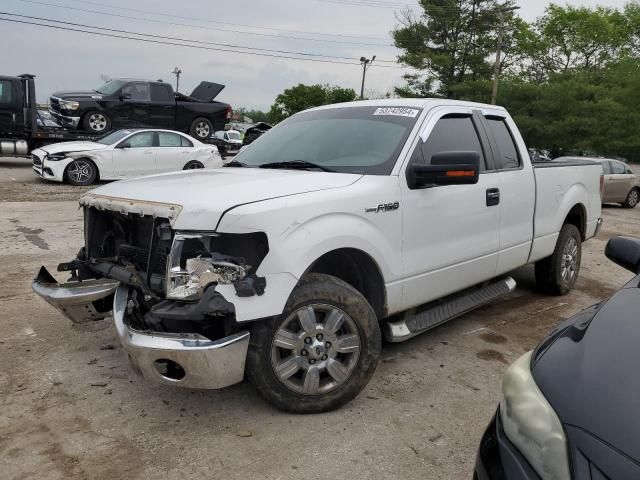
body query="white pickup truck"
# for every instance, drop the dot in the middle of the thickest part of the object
(341, 223)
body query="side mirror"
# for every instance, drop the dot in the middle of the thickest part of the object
(624, 251)
(447, 168)
(125, 96)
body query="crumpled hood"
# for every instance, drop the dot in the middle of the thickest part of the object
(72, 147)
(589, 374)
(197, 199)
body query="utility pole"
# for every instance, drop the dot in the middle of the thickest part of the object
(496, 68)
(366, 63)
(177, 72)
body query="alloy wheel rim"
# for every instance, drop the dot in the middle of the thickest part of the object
(633, 198)
(315, 349)
(97, 122)
(202, 129)
(80, 171)
(569, 260)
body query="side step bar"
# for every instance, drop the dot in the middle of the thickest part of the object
(417, 321)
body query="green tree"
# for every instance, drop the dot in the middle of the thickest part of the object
(450, 42)
(302, 97)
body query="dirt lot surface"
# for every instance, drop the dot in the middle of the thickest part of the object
(71, 408)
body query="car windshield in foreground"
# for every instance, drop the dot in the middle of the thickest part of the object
(363, 140)
(114, 137)
(111, 87)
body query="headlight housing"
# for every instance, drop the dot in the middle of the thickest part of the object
(531, 424)
(193, 265)
(56, 157)
(69, 105)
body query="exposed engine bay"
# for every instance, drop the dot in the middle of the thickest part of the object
(171, 275)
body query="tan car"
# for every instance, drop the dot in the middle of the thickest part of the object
(621, 185)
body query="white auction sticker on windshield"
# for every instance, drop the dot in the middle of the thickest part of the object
(397, 112)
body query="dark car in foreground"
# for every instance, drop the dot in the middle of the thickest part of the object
(128, 103)
(571, 408)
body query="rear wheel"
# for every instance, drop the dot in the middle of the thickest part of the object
(201, 128)
(632, 199)
(558, 273)
(320, 353)
(193, 165)
(81, 172)
(96, 122)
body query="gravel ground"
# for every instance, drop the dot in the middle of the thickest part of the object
(71, 408)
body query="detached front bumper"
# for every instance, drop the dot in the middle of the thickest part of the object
(177, 359)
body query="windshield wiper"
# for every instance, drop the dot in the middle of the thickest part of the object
(235, 163)
(300, 164)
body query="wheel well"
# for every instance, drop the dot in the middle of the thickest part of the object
(359, 270)
(578, 216)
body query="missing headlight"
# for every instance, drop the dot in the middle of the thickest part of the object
(196, 262)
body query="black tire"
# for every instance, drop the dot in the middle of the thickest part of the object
(193, 165)
(201, 128)
(556, 274)
(81, 172)
(632, 198)
(314, 293)
(96, 122)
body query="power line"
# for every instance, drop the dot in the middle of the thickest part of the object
(164, 37)
(178, 24)
(223, 23)
(161, 42)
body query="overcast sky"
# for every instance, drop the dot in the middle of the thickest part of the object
(64, 60)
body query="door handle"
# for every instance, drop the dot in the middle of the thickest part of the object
(493, 197)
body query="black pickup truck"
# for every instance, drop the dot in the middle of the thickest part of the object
(126, 103)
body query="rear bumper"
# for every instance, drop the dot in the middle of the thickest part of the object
(184, 360)
(176, 359)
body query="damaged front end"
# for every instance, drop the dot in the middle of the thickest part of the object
(160, 287)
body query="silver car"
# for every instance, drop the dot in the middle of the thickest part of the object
(621, 185)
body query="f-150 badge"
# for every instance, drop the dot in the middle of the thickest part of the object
(383, 207)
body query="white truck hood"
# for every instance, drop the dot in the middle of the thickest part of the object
(72, 147)
(197, 199)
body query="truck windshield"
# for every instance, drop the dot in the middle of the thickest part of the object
(364, 140)
(111, 87)
(114, 137)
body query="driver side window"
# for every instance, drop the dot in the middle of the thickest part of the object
(451, 134)
(139, 91)
(140, 140)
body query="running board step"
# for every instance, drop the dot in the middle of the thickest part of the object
(420, 320)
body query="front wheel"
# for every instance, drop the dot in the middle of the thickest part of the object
(558, 273)
(320, 353)
(193, 165)
(96, 122)
(81, 172)
(201, 128)
(632, 199)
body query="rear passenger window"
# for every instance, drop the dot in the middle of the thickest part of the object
(508, 152)
(451, 134)
(618, 168)
(186, 142)
(606, 168)
(169, 139)
(160, 93)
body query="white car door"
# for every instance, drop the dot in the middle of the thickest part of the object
(135, 155)
(173, 152)
(450, 233)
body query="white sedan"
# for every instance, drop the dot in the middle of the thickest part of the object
(123, 154)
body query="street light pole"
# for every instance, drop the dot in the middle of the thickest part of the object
(366, 63)
(177, 72)
(496, 67)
